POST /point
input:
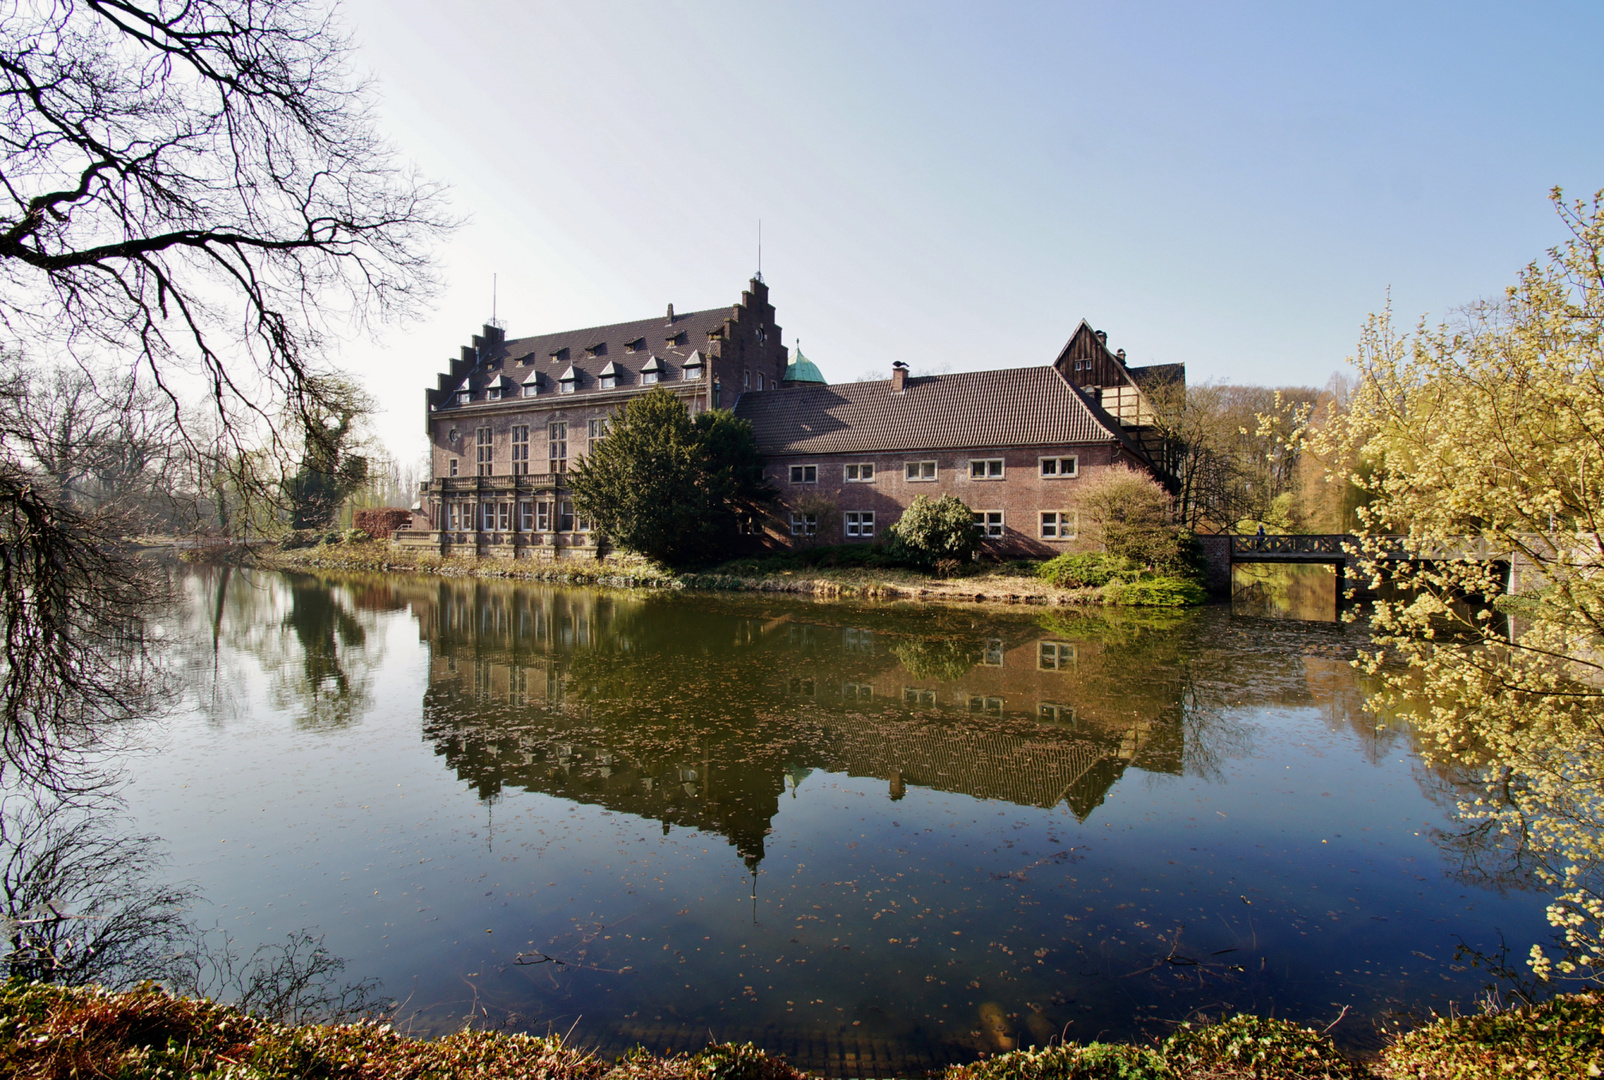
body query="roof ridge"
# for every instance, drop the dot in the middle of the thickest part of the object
(678, 317)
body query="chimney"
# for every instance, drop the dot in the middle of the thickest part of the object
(899, 376)
(1102, 337)
(671, 314)
(1121, 355)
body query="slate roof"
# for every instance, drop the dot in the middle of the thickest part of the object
(1034, 406)
(673, 344)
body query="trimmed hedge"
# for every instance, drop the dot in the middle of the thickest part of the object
(381, 522)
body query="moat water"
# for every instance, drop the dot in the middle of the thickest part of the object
(877, 839)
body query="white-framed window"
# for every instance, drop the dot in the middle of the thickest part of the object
(543, 517)
(1055, 655)
(453, 517)
(484, 448)
(531, 390)
(859, 522)
(913, 695)
(1054, 713)
(746, 380)
(453, 466)
(986, 468)
(1058, 525)
(858, 473)
(504, 517)
(464, 396)
(760, 380)
(991, 706)
(648, 378)
(493, 394)
(609, 382)
(526, 516)
(1058, 468)
(557, 440)
(520, 450)
(992, 654)
(597, 429)
(989, 523)
(919, 470)
(857, 691)
(804, 474)
(804, 524)
(487, 517)
(565, 516)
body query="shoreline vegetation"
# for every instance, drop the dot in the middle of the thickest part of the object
(50, 1032)
(817, 574)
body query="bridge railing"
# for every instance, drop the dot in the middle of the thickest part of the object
(1339, 545)
(1321, 544)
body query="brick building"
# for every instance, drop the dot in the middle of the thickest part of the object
(1013, 445)
(511, 415)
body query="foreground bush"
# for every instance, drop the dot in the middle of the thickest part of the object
(62, 1033)
(931, 532)
(1095, 1061)
(1559, 1038)
(1156, 591)
(57, 1033)
(1092, 569)
(1259, 1048)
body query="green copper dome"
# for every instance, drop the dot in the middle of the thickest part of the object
(803, 370)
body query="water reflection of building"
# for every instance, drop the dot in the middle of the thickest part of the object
(695, 713)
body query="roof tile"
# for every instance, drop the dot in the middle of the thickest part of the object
(1034, 406)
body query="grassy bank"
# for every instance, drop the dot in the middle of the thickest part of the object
(817, 573)
(54, 1033)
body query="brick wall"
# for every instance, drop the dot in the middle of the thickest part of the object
(1021, 494)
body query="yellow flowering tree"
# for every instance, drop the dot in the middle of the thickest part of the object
(1479, 446)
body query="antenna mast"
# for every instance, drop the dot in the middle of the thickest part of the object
(493, 321)
(760, 249)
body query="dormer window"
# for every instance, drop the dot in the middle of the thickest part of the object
(493, 394)
(598, 349)
(608, 376)
(464, 396)
(652, 371)
(635, 346)
(676, 339)
(532, 384)
(560, 356)
(694, 366)
(569, 382)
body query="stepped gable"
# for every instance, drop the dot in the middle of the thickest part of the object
(1034, 406)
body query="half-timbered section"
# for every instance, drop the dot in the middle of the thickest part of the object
(1126, 393)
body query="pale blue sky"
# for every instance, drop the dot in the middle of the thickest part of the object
(1232, 186)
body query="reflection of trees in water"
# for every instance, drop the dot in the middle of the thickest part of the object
(1284, 590)
(81, 897)
(311, 638)
(935, 658)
